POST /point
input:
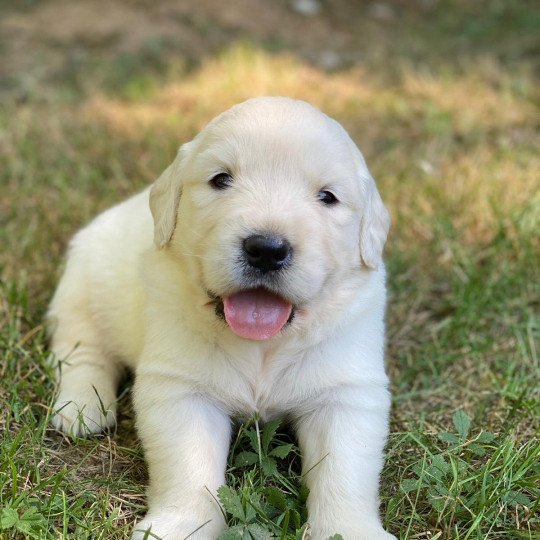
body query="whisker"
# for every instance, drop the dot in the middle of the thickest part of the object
(194, 232)
(205, 257)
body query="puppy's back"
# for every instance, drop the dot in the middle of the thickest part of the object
(101, 281)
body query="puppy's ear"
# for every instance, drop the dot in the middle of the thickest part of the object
(374, 226)
(165, 198)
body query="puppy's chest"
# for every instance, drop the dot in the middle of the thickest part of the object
(266, 383)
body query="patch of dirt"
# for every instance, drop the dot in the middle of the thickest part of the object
(52, 35)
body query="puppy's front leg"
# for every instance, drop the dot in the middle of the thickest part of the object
(186, 440)
(342, 446)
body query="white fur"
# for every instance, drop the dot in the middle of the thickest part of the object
(134, 294)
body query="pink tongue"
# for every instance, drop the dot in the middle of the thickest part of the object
(256, 313)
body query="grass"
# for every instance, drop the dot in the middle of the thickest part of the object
(449, 126)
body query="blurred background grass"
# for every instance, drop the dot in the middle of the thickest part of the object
(442, 98)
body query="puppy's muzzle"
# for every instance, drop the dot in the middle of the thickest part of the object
(267, 252)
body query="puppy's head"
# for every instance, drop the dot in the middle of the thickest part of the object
(269, 207)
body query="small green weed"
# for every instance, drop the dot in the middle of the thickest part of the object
(262, 500)
(476, 486)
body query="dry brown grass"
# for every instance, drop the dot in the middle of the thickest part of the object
(477, 182)
(455, 145)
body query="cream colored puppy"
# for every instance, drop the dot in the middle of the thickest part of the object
(248, 279)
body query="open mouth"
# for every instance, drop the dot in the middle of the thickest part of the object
(256, 314)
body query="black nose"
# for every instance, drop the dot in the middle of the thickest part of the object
(267, 252)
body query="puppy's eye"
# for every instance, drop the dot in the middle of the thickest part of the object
(221, 181)
(327, 197)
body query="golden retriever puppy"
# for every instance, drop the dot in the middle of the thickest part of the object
(247, 279)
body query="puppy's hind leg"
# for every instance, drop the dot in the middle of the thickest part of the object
(88, 379)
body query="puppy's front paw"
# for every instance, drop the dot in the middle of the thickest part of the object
(174, 526)
(82, 416)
